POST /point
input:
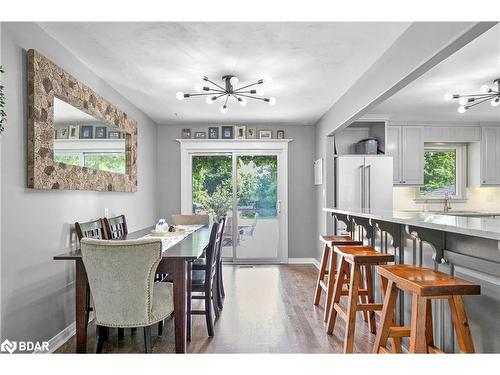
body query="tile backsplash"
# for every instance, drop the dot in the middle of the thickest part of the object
(483, 199)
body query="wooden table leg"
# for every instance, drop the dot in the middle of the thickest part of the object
(188, 300)
(179, 270)
(81, 308)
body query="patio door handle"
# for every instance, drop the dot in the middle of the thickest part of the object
(278, 206)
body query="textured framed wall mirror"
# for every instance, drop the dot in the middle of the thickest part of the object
(76, 139)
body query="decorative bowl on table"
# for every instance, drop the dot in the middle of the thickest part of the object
(161, 233)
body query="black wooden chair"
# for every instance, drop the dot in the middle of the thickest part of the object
(201, 265)
(116, 227)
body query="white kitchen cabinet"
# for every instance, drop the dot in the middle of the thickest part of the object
(406, 145)
(490, 155)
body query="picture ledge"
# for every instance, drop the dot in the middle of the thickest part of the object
(232, 140)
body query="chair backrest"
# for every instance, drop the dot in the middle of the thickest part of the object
(121, 275)
(222, 222)
(116, 227)
(91, 229)
(212, 252)
(190, 219)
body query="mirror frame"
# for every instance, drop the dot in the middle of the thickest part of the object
(46, 80)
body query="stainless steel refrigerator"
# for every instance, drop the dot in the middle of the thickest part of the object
(363, 182)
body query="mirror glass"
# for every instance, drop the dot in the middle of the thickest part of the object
(83, 140)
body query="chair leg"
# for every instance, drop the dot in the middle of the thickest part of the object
(221, 284)
(396, 341)
(121, 334)
(370, 298)
(419, 311)
(461, 324)
(330, 285)
(215, 295)
(387, 319)
(208, 315)
(133, 330)
(337, 293)
(148, 343)
(189, 296)
(352, 308)
(101, 337)
(321, 274)
(160, 328)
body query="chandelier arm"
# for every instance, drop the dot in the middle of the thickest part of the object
(244, 87)
(215, 90)
(252, 97)
(201, 94)
(482, 101)
(215, 84)
(227, 98)
(478, 95)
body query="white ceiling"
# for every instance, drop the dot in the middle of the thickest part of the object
(311, 64)
(476, 64)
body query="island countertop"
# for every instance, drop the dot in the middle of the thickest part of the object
(484, 227)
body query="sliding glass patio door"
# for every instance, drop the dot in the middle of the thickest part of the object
(247, 187)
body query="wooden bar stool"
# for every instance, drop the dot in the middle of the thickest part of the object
(327, 285)
(425, 285)
(353, 258)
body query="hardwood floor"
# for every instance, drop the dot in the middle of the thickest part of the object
(268, 309)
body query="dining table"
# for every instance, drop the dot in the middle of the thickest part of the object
(178, 253)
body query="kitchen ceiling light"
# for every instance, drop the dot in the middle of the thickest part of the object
(470, 100)
(228, 90)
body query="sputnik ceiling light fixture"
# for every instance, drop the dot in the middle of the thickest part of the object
(471, 100)
(228, 91)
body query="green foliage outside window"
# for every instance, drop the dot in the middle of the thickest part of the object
(106, 162)
(256, 184)
(67, 159)
(439, 173)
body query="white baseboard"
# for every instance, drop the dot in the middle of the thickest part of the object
(62, 337)
(312, 261)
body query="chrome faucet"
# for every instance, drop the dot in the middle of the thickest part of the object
(447, 203)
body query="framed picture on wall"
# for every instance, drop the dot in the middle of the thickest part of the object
(251, 133)
(280, 134)
(240, 132)
(62, 133)
(213, 132)
(186, 133)
(114, 134)
(74, 132)
(100, 132)
(86, 132)
(200, 135)
(227, 132)
(265, 134)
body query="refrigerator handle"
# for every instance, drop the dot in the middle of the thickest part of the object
(362, 185)
(369, 186)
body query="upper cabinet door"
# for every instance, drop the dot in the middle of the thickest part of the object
(393, 148)
(412, 155)
(490, 156)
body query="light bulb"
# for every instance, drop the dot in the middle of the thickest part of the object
(495, 102)
(198, 88)
(223, 109)
(462, 101)
(448, 97)
(180, 95)
(272, 101)
(462, 109)
(210, 99)
(243, 102)
(259, 92)
(485, 88)
(234, 81)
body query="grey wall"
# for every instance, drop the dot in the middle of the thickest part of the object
(37, 292)
(301, 222)
(422, 46)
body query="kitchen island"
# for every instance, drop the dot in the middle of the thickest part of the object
(459, 244)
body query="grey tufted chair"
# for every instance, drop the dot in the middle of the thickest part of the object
(121, 275)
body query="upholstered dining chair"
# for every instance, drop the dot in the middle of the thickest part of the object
(178, 219)
(121, 278)
(116, 227)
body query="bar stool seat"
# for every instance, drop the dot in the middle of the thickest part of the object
(424, 284)
(353, 258)
(326, 277)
